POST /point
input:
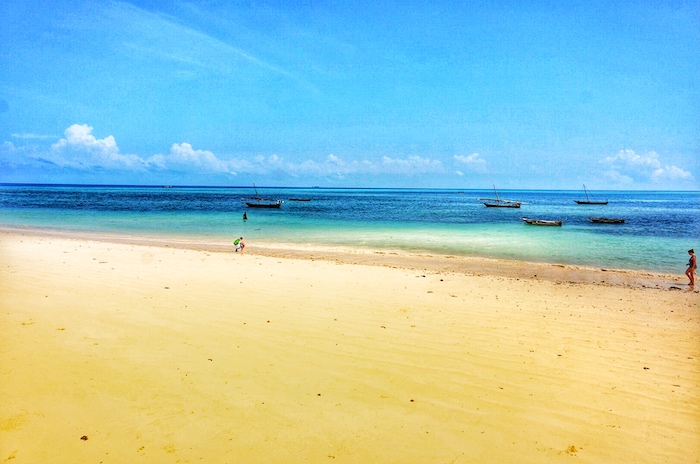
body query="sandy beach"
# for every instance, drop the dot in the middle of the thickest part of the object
(122, 349)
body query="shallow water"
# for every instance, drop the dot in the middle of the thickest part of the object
(659, 227)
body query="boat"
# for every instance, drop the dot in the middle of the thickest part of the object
(604, 220)
(542, 222)
(500, 202)
(300, 199)
(588, 200)
(263, 202)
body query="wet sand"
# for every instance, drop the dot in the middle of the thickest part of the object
(133, 349)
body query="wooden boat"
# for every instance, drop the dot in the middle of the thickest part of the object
(263, 202)
(499, 202)
(542, 222)
(300, 199)
(588, 200)
(604, 220)
(496, 203)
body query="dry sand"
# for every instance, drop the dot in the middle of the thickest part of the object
(119, 352)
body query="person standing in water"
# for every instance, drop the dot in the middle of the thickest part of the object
(692, 265)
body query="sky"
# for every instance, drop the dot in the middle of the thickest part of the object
(416, 94)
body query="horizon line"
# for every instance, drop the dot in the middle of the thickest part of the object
(42, 184)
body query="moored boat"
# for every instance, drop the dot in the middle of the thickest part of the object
(588, 200)
(260, 203)
(263, 202)
(605, 220)
(500, 202)
(496, 203)
(542, 222)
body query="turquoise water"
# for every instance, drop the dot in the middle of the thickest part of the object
(659, 227)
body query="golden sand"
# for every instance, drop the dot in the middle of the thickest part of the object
(119, 352)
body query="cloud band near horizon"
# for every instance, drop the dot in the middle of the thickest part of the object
(80, 150)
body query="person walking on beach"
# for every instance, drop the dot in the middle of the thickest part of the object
(239, 244)
(692, 265)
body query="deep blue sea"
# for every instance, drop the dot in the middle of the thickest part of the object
(659, 226)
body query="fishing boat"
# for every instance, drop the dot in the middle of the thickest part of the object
(605, 220)
(588, 200)
(500, 202)
(263, 202)
(300, 199)
(260, 203)
(542, 222)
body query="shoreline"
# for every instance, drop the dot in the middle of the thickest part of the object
(429, 262)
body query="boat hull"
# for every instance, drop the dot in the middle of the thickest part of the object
(496, 205)
(542, 222)
(263, 205)
(602, 220)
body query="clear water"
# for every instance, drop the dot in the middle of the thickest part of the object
(660, 226)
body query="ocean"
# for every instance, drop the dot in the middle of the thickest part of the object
(659, 228)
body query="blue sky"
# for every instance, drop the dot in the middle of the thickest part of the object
(521, 94)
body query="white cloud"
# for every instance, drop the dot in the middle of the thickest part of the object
(80, 149)
(473, 162)
(335, 166)
(33, 136)
(627, 166)
(411, 165)
(201, 160)
(670, 173)
(80, 136)
(618, 178)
